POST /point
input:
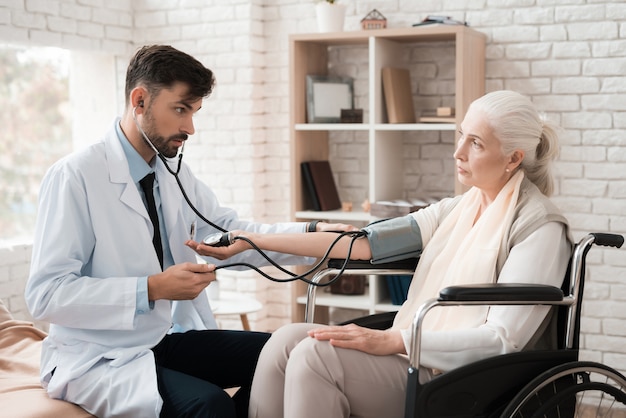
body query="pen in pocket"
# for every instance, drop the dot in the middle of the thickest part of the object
(192, 230)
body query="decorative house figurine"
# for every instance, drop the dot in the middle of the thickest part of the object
(374, 20)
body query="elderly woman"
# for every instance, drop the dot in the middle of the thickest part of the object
(503, 229)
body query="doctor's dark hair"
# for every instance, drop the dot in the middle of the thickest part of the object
(517, 123)
(161, 66)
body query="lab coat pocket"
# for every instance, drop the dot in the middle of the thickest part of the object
(122, 384)
(121, 356)
(47, 373)
(61, 363)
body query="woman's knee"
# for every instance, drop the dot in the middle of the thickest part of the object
(311, 357)
(277, 351)
(284, 339)
(287, 337)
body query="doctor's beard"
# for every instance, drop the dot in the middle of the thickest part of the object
(161, 143)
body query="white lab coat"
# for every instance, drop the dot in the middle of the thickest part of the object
(92, 243)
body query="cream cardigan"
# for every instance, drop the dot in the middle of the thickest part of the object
(535, 249)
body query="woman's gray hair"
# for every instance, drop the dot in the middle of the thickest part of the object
(518, 125)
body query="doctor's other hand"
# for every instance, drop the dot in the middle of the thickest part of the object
(182, 281)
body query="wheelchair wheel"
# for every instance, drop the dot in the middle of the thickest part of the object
(572, 390)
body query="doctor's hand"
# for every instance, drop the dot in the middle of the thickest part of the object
(224, 252)
(182, 281)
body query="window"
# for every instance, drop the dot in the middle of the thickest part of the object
(53, 102)
(35, 131)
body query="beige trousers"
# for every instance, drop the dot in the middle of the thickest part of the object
(300, 377)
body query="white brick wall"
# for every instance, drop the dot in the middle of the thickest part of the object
(569, 56)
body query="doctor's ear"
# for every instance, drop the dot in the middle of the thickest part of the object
(138, 96)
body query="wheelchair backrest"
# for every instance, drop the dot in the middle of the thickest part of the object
(573, 286)
(563, 313)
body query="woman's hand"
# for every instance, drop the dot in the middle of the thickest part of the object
(354, 337)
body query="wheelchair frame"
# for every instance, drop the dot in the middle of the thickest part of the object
(506, 385)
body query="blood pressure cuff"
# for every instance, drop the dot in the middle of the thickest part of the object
(394, 239)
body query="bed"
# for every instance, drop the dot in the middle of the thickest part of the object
(21, 394)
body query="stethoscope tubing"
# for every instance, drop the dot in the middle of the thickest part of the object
(293, 276)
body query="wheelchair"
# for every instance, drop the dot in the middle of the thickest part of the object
(538, 384)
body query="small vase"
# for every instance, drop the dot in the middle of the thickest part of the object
(330, 17)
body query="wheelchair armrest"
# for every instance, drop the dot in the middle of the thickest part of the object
(501, 292)
(381, 321)
(484, 294)
(406, 264)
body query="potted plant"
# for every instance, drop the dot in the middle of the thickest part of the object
(330, 15)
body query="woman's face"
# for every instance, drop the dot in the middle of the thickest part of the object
(479, 158)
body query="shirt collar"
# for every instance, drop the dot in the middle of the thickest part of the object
(136, 164)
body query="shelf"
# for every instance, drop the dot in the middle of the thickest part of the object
(350, 302)
(386, 307)
(415, 127)
(340, 301)
(335, 215)
(377, 127)
(332, 127)
(430, 33)
(447, 66)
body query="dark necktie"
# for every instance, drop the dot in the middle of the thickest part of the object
(146, 184)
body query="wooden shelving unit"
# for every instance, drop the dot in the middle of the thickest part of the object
(309, 55)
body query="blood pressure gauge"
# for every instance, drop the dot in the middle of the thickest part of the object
(218, 239)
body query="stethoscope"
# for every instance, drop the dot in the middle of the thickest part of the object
(172, 172)
(224, 237)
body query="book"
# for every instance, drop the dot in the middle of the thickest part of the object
(320, 182)
(437, 119)
(394, 289)
(398, 95)
(398, 287)
(445, 111)
(405, 282)
(312, 201)
(398, 207)
(445, 20)
(439, 115)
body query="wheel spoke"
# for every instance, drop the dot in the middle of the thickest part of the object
(574, 390)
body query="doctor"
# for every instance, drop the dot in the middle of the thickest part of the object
(132, 333)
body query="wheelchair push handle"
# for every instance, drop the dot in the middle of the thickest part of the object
(608, 240)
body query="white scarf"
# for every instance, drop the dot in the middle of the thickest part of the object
(459, 253)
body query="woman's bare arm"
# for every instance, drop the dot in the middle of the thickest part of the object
(313, 244)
